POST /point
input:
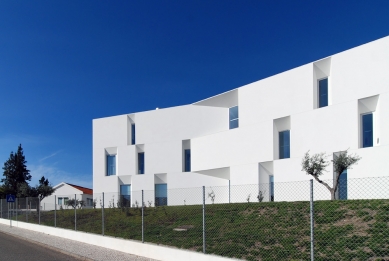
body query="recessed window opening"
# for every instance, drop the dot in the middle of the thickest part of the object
(367, 130)
(187, 160)
(125, 195)
(132, 134)
(111, 165)
(141, 163)
(342, 189)
(284, 144)
(160, 194)
(271, 181)
(323, 93)
(234, 117)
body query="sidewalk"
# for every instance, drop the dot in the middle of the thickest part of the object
(77, 249)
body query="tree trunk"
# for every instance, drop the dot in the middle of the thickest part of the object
(332, 194)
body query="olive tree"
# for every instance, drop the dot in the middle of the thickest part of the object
(316, 165)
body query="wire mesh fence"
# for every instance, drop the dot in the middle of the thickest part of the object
(288, 221)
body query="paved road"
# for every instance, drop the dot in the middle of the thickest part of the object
(18, 249)
(78, 249)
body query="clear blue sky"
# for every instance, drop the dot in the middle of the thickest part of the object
(64, 63)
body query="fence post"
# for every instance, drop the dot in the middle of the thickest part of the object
(75, 212)
(311, 217)
(55, 210)
(39, 209)
(1, 203)
(229, 191)
(143, 239)
(17, 212)
(26, 209)
(102, 217)
(204, 219)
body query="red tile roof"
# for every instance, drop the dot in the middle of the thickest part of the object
(84, 190)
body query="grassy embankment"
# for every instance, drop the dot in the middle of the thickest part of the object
(344, 230)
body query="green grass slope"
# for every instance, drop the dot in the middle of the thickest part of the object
(344, 230)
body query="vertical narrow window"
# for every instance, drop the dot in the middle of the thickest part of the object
(343, 185)
(60, 201)
(234, 117)
(284, 144)
(141, 163)
(111, 165)
(367, 130)
(323, 93)
(160, 194)
(132, 134)
(271, 181)
(187, 160)
(125, 195)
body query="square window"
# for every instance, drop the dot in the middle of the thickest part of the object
(367, 130)
(234, 117)
(111, 165)
(284, 144)
(89, 202)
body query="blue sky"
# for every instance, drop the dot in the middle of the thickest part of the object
(64, 63)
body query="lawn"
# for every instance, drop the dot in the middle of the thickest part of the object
(344, 230)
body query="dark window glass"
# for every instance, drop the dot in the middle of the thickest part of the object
(111, 165)
(343, 185)
(367, 130)
(284, 140)
(323, 93)
(187, 160)
(160, 194)
(234, 117)
(271, 178)
(141, 163)
(132, 134)
(125, 195)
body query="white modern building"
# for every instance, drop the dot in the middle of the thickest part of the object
(65, 191)
(255, 134)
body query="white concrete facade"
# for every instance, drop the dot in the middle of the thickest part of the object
(358, 83)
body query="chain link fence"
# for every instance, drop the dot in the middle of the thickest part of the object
(276, 221)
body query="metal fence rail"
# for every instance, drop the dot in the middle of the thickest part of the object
(280, 221)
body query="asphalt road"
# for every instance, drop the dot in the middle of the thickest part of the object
(17, 249)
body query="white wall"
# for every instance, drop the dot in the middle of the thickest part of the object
(265, 107)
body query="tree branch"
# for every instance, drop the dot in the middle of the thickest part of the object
(322, 182)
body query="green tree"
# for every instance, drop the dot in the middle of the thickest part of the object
(316, 165)
(44, 188)
(16, 174)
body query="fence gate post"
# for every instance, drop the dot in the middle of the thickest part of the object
(55, 210)
(143, 239)
(311, 217)
(102, 216)
(204, 219)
